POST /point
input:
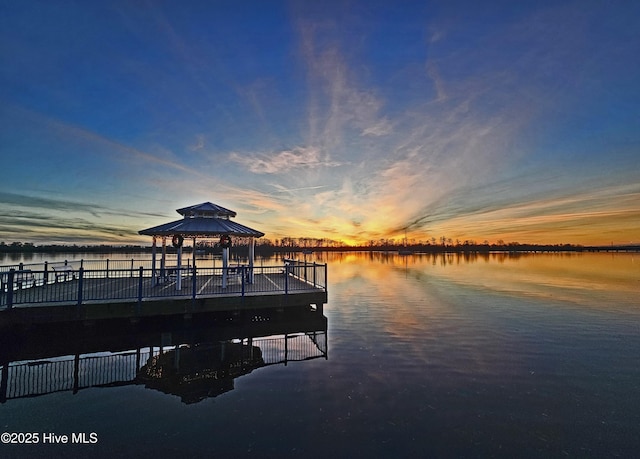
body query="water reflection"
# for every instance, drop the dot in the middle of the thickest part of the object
(192, 361)
(600, 280)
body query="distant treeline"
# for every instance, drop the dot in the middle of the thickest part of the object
(266, 247)
(28, 247)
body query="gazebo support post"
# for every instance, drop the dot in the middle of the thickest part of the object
(225, 264)
(178, 269)
(163, 259)
(154, 281)
(252, 247)
(194, 252)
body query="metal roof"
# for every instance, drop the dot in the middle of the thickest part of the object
(203, 220)
(206, 209)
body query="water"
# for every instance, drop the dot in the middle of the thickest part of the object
(428, 356)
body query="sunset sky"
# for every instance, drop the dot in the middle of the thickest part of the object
(347, 120)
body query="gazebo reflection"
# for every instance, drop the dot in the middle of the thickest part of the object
(195, 373)
(200, 221)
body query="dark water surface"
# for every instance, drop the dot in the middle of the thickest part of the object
(428, 356)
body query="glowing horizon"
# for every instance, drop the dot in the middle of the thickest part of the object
(351, 122)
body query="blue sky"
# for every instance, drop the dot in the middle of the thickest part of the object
(348, 120)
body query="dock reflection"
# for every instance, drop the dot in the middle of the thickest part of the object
(191, 359)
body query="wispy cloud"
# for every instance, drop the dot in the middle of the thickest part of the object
(549, 217)
(283, 161)
(61, 220)
(198, 145)
(23, 201)
(338, 103)
(432, 72)
(99, 144)
(383, 127)
(283, 189)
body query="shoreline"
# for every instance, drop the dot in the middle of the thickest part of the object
(404, 250)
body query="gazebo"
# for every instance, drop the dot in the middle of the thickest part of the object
(201, 221)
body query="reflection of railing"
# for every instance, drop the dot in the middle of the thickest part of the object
(27, 379)
(294, 347)
(79, 285)
(73, 373)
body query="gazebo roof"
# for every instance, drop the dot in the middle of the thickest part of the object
(206, 209)
(203, 220)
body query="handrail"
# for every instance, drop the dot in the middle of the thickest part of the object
(78, 286)
(106, 263)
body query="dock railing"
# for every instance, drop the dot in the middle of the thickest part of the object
(111, 280)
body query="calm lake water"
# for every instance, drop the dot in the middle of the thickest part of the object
(534, 355)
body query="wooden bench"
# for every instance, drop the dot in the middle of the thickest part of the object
(233, 278)
(64, 271)
(235, 273)
(172, 271)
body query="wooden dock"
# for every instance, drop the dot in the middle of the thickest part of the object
(97, 294)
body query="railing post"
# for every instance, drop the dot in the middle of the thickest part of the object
(325, 277)
(243, 274)
(139, 288)
(80, 282)
(45, 274)
(76, 374)
(132, 267)
(3, 383)
(21, 268)
(107, 273)
(12, 272)
(194, 281)
(286, 349)
(286, 278)
(314, 274)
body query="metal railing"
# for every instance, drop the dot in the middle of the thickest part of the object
(98, 264)
(308, 272)
(62, 283)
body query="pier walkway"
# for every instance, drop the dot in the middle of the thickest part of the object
(46, 295)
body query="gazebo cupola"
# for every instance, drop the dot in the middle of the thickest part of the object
(206, 220)
(206, 210)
